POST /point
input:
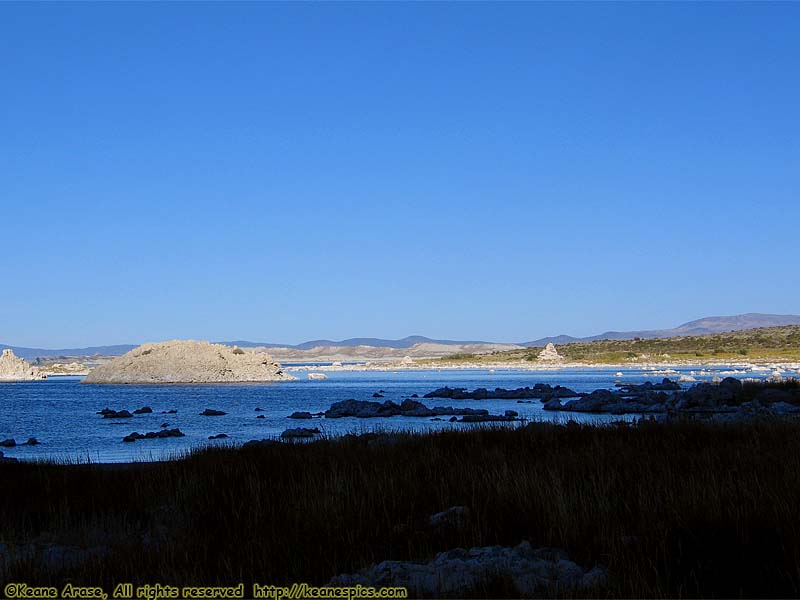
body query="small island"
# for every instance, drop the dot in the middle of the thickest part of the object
(186, 361)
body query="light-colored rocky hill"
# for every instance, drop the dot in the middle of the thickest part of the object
(13, 368)
(56, 368)
(356, 353)
(188, 362)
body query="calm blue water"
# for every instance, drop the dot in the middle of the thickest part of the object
(60, 412)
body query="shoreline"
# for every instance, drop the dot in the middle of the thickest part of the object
(785, 369)
(757, 365)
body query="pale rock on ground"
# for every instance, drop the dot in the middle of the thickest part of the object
(13, 368)
(455, 517)
(535, 573)
(188, 362)
(73, 368)
(550, 354)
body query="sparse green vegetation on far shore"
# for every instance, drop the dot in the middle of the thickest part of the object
(764, 344)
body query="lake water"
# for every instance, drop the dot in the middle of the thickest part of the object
(61, 412)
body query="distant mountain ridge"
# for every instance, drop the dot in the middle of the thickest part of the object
(697, 327)
(31, 353)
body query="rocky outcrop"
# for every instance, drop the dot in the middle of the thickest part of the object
(210, 412)
(300, 432)
(188, 362)
(550, 354)
(301, 414)
(710, 399)
(13, 368)
(73, 368)
(458, 573)
(116, 414)
(635, 390)
(410, 408)
(542, 391)
(164, 433)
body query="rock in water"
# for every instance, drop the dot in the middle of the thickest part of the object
(300, 432)
(550, 354)
(188, 362)
(210, 412)
(13, 368)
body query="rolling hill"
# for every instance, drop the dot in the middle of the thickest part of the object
(704, 326)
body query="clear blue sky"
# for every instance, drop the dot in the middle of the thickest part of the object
(280, 172)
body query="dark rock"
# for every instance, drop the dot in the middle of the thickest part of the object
(210, 412)
(705, 396)
(413, 408)
(666, 385)
(359, 408)
(771, 396)
(145, 410)
(733, 384)
(260, 417)
(258, 409)
(594, 402)
(8, 443)
(540, 390)
(32, 441)
(784, 409)
(554, 404)
(164, 433)
(377, 395)
(408, 408)
(260, 444)
(300, 432)
(300, 415)
(606, 401)
(219, 436)
(114, 414)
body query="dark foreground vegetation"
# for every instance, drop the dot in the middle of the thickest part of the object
(678, 509)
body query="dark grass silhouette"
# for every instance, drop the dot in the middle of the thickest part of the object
(683, 509)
